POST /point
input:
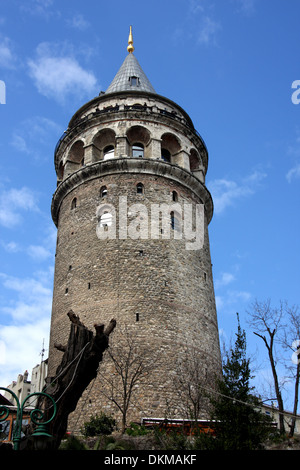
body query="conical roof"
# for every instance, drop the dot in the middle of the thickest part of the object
(130, 76)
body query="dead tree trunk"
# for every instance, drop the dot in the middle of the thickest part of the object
(77, 369)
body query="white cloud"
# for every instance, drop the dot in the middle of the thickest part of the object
(21, 346)
(196, 6)
(226, 192)
(293, 150)
(246, 6)
(33, 134)
(42, 8)
(58, 76)
(39, 253)
(25, 322)
(226, 279)
(78, 22)
(7, 57)
(293, 173)
(207, 31)
(11, 247)
(31, 301)
(13, 202)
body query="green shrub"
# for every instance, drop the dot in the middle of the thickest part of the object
(136, 430)
(98, 425)
(72, 443)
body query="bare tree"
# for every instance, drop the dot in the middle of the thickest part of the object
(267, 322)
(190, 383)
(291, 342)
(132, 363)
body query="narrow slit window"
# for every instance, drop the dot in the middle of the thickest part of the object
(140, 188)
(74, 203)
(103, 191)
(174, 221)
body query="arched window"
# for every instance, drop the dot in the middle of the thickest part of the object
(137, 150)
(140, 188)
(76, 154)
(174, 196)
(108, 152)
(60, 173)
(106, 220)
(74, 203)
(165, 155)
(174, 221)
(103, 191)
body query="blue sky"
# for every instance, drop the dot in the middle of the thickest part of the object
(229, 63)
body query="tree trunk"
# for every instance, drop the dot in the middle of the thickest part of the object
(275, 377)
(293, 423)
(78, 367)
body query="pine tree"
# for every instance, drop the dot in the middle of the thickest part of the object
(239, 423)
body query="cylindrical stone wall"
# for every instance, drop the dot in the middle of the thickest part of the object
(141, 267)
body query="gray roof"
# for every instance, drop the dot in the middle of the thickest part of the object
(123, 80)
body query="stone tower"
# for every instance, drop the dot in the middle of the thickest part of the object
(132, 213)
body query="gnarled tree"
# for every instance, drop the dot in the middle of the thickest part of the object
(79, 365)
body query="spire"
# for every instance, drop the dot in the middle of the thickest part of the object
(130, 47)
(130, 76)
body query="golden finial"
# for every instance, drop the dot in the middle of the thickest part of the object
(130, 47)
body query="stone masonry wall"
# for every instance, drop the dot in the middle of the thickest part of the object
(169, 287)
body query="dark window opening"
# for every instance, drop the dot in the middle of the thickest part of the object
(74, 203)
(174, 221)
(165, 155)
(137, 317)
(140, 188)
(134, 81)
(138, 150)
(174, 196)
(89, 285)
(103, 191)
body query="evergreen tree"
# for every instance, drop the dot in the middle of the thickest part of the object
(239, 423)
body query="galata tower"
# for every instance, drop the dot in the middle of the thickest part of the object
(132, 213)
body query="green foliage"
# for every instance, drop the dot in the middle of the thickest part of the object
(98, 425)
(136, 430)
(72, 443)
(114, 446)
(239, 423)
(171, 440)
